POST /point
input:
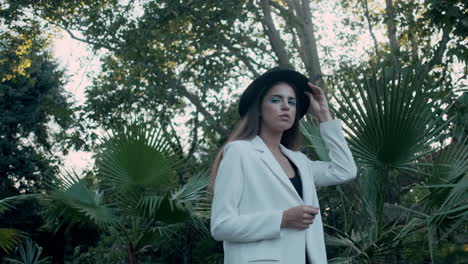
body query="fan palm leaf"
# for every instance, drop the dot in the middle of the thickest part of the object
(391, 121)
(8, 203)
(133, 155)
(392, 117)
(446, 202)
(138, 172)
(9, 238)
(311, 132)
(135, 162)
(71, 201)
(29, 253)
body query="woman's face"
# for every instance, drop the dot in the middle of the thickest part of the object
(278, 110)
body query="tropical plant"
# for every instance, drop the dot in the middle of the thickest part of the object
(10, 237)
(138, 195)
(29, 253)
(393, 117)
(443, 207)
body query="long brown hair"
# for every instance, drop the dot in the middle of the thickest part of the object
(249, 126)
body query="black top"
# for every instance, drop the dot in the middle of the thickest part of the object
(296, 180)
(297, 183)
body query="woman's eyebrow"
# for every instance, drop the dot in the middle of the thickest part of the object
(291, 97)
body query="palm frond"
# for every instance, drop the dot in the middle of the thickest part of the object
(9, 238)
(193, 190)
(311, 132)
(72, 201)
(162, 208)
(133, 155)
(341, 260)
(29, 253)
(380, 116)
(372, 193)
(447, 186)
(9, 203)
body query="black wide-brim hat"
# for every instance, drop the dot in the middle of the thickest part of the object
(264, 81)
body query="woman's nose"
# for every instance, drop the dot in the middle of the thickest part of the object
(285, 106)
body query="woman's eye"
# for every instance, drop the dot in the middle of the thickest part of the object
(292, 102)
(274, 100)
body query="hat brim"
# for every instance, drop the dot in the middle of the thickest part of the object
(272, 76)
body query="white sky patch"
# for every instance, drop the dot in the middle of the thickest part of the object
(79, 63)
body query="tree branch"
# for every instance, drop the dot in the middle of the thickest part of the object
(391, 28)
(286, 13)
(200, 108)
(412, 32)
(73, 36)
(194, 144)
(309, 46)
(273, 35)
(441, 46)
(371, 31)
(238, 53)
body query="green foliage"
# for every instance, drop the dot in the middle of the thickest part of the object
(443, 209)
(311, 132)
(168, 58)
(137, 196)
(450, 16)
(31, 95)
(389, 142)
(71, 201)
(105, 251)
(9, 238)
(9, 203)
(29, 253)
(35, 117)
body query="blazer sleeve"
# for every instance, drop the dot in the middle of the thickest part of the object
(341, 167)
(226, 222)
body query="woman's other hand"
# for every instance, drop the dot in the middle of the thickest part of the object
(299, 217)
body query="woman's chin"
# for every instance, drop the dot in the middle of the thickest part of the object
(284, 127)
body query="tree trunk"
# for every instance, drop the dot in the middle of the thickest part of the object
(391, 28)
(312, 62)
(371, 30)
(412, 34)
(131, 254)
(273, 35)
(302, 22)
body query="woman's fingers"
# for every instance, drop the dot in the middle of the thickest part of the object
(308, 216)
(310, 210)
(315, 89)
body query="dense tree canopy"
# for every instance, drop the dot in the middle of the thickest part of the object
(32, 98)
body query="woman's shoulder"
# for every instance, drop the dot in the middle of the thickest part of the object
(298, 153)
(237, 144)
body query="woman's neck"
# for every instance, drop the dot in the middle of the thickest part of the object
(272, 140)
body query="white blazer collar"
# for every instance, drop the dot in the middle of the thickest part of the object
(274, 166)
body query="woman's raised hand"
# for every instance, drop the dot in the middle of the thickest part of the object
(299, 217)
(318, 103)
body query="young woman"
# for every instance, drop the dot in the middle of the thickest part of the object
(265, 206)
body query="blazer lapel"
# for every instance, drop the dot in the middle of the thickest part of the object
(308, 186)
(276, 169)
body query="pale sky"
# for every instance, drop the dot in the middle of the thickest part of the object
(78, 62)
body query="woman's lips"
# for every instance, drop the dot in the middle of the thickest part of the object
(285, 117)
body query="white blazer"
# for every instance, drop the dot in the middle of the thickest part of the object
(252, 191)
